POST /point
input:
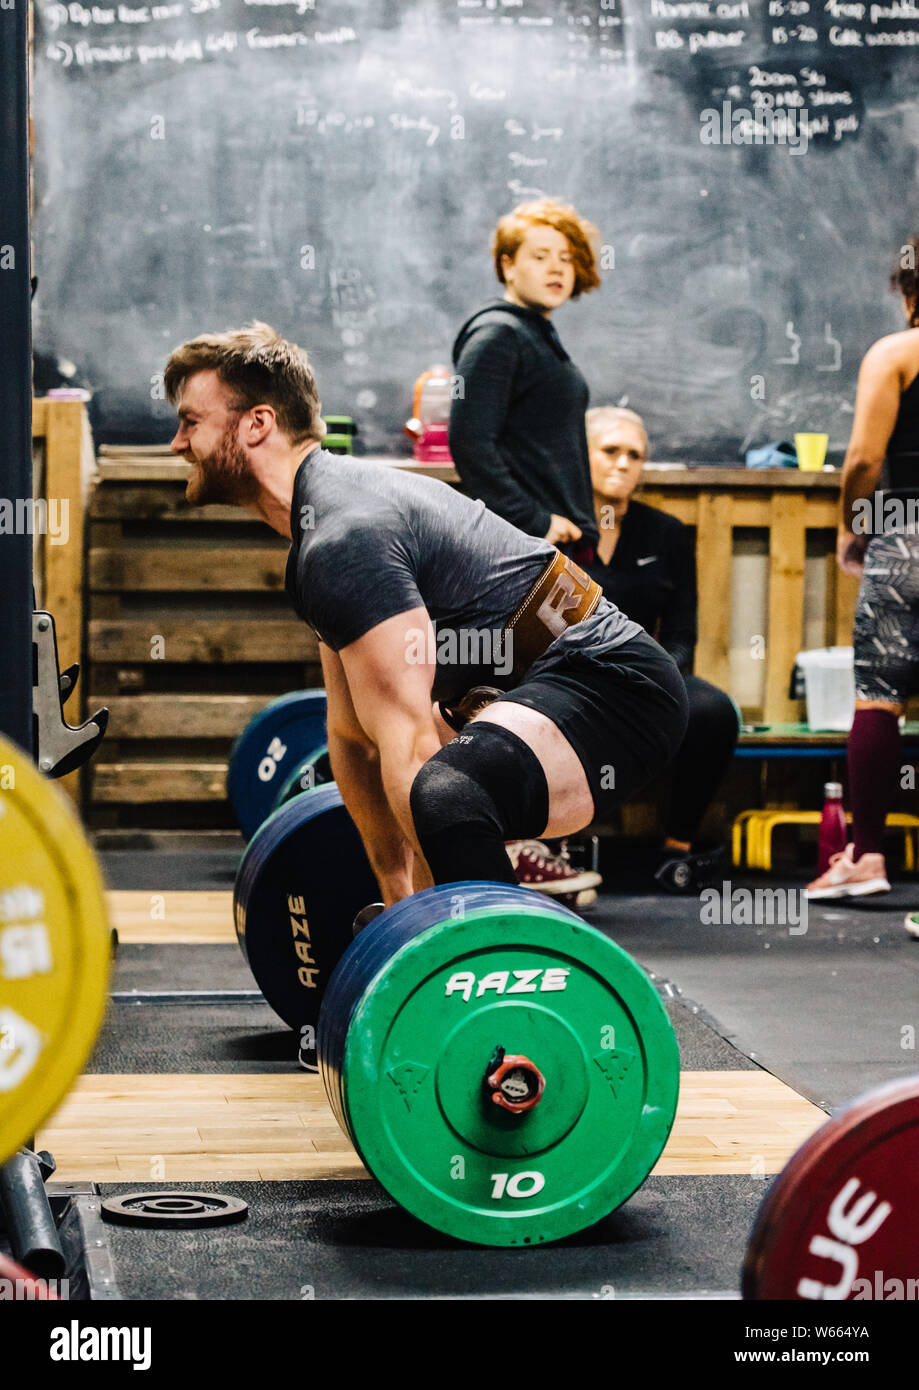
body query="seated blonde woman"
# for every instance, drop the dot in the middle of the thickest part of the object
(646, 565)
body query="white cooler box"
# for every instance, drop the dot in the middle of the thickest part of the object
(829, 682)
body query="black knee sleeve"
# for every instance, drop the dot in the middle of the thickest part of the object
(483, 788)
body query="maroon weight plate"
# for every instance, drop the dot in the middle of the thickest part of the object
(841, 1221)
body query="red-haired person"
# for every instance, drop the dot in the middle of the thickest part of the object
(517, 426)
(878, 543)
(646, 565)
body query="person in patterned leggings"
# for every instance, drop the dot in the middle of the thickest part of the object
(878, 542)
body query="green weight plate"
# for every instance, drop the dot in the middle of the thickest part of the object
(313, 771)
(425, 1034)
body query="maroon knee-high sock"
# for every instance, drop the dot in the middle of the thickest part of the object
(874, 767)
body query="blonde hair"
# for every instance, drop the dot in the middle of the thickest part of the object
(603, 417)
(582, 236)
(260, 368)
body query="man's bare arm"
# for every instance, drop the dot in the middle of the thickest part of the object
(390, 679)
(355, 761)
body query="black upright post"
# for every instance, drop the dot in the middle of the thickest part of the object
(15, 381)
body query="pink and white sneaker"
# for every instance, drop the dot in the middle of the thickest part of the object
(847, 879)
(538, 868)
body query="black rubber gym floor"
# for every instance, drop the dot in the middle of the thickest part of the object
(832, 1012)
(827, 1011)
(346, 1240)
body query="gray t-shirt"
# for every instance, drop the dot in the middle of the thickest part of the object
(372, 541)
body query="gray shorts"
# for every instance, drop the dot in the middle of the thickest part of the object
(886, 632)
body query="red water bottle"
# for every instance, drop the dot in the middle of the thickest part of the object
(832, 837)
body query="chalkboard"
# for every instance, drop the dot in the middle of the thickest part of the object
(336, 170)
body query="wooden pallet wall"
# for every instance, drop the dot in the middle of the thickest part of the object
(190, 634)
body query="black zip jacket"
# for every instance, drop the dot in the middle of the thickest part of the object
(517, 431)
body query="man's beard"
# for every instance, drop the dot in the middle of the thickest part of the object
(224, 477)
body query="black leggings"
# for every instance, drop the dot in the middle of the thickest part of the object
(705, 755)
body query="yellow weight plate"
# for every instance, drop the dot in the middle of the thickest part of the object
(55, 948)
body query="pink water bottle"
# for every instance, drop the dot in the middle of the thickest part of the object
(832, 837)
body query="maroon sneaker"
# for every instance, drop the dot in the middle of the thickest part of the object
(538, 868)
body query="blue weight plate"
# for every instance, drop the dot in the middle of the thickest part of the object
(269, 748)
(302, 880)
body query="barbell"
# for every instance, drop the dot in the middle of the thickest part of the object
(506, 1072)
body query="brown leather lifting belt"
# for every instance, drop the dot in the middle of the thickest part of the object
(562, 596)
